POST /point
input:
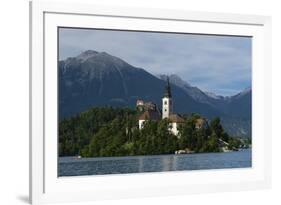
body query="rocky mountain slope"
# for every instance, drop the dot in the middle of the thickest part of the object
(100, 79)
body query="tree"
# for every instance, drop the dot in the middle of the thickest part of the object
(216, 127)
(212, 144)
(187, 135)
(107, 131)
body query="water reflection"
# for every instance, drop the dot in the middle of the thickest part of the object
(69, 166)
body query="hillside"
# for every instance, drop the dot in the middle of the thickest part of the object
(99, 79)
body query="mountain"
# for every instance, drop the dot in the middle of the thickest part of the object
(236, 109)
(239, 111)
(100, 79)
(238, 105)
(194, 92)
(213, 95)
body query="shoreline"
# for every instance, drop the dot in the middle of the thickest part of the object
(144, 156)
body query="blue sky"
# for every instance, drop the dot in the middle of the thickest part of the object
(218, 64)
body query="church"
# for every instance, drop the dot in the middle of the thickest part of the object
(151, 111)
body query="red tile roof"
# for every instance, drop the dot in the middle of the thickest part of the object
(150, 115)
(176, 118)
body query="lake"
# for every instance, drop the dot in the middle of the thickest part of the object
(72, 166)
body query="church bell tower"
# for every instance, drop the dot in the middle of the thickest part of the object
(167, 104)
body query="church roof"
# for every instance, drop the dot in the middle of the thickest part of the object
(167, 92)
(176, 118)
(150, 115)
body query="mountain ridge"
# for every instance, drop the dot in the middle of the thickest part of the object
(99, 79)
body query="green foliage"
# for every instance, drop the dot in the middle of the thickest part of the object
(212, 144)
(216, 127)
(204, 139)
(76, 133)
(234, 143)
(107, 131)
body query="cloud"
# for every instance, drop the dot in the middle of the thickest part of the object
(220, 64)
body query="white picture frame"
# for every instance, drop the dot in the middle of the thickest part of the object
(46, 187)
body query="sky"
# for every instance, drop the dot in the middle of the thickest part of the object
(218, 64)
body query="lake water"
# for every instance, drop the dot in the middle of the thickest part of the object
(71, 166)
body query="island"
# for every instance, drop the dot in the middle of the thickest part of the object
(115, 131)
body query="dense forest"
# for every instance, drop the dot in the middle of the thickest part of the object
(107, 131)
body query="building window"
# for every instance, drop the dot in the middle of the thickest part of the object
(165, 102)
(165, 110)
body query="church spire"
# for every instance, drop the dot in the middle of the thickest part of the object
(167, 105)
(167, 92)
